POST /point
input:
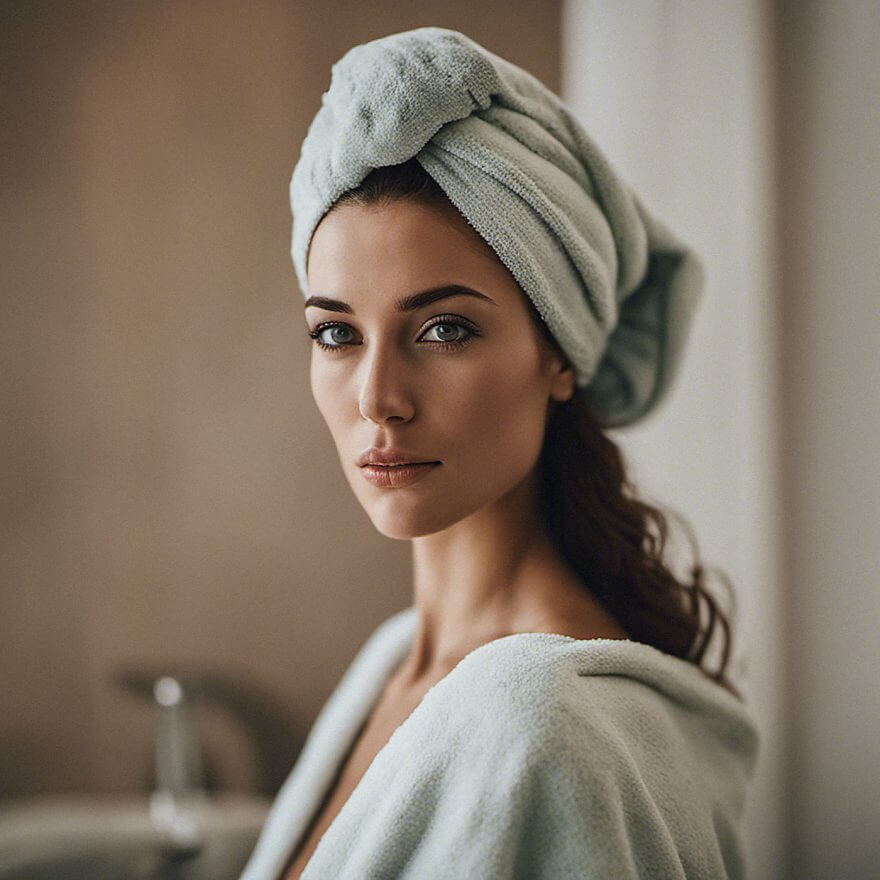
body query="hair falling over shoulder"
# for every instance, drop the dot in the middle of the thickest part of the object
(615, 543)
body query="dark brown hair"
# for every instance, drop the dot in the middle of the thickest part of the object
(614, 541)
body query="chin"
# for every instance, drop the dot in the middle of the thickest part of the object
(397, 534)
(402, 528)
(394, 521)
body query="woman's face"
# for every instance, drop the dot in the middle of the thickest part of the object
(463, 380)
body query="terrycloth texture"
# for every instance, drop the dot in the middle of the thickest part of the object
(615, 287)
(538, 757)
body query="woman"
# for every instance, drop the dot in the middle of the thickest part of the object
(484, 296)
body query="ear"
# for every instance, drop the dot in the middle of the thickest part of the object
(562, 382)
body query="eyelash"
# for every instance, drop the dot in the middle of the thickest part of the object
(450, 320)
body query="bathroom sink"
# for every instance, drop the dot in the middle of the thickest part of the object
(87, 837)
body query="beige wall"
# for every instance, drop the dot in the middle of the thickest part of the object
(170, 496)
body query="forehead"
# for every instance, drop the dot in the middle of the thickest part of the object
(399, 247)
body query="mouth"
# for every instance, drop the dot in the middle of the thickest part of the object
(393, 476)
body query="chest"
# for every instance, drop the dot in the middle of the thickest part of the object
(389, 714)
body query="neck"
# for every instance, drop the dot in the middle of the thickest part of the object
(490, 575)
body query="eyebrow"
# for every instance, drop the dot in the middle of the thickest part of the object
(406, 303)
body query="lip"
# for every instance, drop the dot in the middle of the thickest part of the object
(397, 476)
(392, 456)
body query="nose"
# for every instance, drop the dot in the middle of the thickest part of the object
(383, 394)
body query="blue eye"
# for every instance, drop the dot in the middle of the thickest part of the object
(447, 328)
(335, 331)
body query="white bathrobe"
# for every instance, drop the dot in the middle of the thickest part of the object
(538, 757)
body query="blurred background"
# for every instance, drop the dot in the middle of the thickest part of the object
(170, 498)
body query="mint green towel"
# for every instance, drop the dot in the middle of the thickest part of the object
(615, 287)
(538, 757)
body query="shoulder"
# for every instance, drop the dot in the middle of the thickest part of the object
(613, 741)
(614, 690)
(528, 689)
(521, 702)
(541, 683)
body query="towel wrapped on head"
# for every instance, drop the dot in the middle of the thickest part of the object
(615, 287)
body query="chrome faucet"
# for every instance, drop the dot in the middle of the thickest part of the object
(179, 798)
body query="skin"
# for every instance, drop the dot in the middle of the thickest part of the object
(483, 566)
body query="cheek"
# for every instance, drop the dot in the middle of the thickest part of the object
(501, 418)
(325, 392)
